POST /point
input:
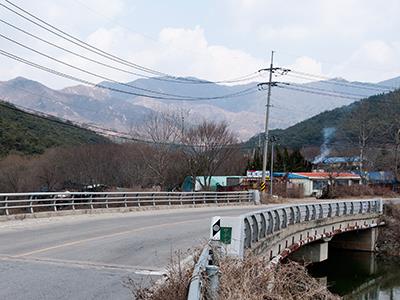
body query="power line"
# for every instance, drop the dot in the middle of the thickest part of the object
(323, 90)
(64, 75)
(80, 55)
(97, 75)
(64, 35)
(317, 93)
(328, 93)
(355, 84)
(246, 77)
(339, 83)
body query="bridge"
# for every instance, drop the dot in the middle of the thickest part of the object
(301, 231)
(280, 231)
(73, 252)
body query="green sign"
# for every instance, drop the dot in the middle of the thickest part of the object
(226, 235)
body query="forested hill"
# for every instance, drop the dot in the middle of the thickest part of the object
(25, 133)
(377, 116)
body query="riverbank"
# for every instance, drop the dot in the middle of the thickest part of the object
(388, 243)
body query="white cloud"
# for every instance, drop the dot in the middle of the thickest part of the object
(373, 61)
(307, 65)
(181, 38)
(187, 52)
(292, 32)
(376, 52)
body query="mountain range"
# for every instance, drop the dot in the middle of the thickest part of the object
(371, 124)
(245, 114)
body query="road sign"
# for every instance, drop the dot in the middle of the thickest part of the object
(226, 235)
(263, 186)
(216, 229)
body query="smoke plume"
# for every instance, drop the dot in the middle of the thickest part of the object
(325, 150)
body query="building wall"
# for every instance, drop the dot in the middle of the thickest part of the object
(307, 185)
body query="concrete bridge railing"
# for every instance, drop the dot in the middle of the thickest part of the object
(280, 230)
(27, 203)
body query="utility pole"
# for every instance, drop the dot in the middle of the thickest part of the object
(270, 84)
(183, 125)
(271, 174)
(396, 155)
(266, 133)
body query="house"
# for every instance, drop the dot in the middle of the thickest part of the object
(215, 182)
(315, 182)
(382, 178)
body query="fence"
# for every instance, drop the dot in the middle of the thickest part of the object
(22, 203)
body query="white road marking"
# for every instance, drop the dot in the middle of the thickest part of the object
(139, 270)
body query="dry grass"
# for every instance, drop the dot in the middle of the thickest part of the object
(173, 287)
(251, 279)
(389, 235)
(283, 190)
(265, 198)
(360, 191)
(288, 190)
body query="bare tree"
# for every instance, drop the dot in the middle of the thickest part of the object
(14, 174)
(206, 147)
(361, 129)
(163, 131)
(48, 171)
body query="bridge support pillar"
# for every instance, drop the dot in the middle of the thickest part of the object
(360, 240)
(311, 253)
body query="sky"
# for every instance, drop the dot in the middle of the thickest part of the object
(216, 40)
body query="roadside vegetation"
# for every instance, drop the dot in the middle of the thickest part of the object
(250, 279)
(174, 286)
(358, 191)
(389, 235)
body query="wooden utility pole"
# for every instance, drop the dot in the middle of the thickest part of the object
(266, 133)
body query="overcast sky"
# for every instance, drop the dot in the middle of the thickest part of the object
(215, 40)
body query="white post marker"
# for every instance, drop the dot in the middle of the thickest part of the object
(216, 228)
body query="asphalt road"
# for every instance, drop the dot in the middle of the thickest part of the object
(91, 256)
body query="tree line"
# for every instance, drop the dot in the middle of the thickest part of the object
(161, 158)
(162, 152)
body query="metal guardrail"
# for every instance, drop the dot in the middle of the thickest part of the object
(255, 226)
(22, 203)
(203, 271)
(266, 222)
(196, 282)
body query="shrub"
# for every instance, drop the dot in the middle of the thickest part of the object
(389, 235)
